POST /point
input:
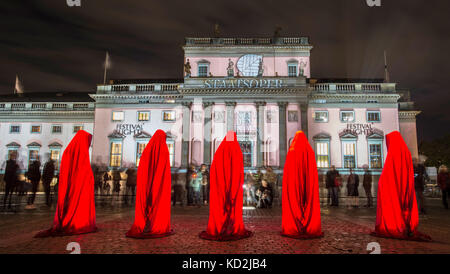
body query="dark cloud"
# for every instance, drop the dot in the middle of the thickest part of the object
(56, 47)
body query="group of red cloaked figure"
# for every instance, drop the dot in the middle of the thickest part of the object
(397, 214)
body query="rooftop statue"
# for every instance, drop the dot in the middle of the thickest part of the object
(187, 69)
(230, 68)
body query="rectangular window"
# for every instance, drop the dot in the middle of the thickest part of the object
(347, 116)
(118, 115)
(33, 155)
(35, 129)
(116, 154)
(349, 154)
(54, 155)
(143, 115)
(321, 116)
(14, 129)
(77, 128)
(247, 151)
(12, 153)
(139, 149)
(171, 147)
(56, 128)
(168, 115)
(375, 155)
(202, 70)
(292, 70)
(322, 154)
(373, 116)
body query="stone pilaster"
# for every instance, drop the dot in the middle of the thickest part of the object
(186, 134)
(304, 117)
(259, 132)
(207, 106)
(282, 132)
(230, 115)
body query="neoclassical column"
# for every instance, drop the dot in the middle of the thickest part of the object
(207, 106)
(304, 117)
(259, 131)
(230, 115)
(282, 132)
(186, 134)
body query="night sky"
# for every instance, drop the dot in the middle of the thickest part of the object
(54, 47)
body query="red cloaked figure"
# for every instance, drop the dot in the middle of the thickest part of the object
(397, 214)
(152, 211)
(300, 197)
(226, 193)
(75, 210)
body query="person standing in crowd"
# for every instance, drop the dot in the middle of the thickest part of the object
(116, 182)
(270, 177)
(333, 184)
(130, 184)
(443, 180)
(10, 179)
(264, 194)
(97, 178)
(205, 183)
(420, 175)
(367, 184)
(352, 188)
(189, 176)
(34, 175)
(106, 178)
(177, 190)
(249, 190)
(47, 177)
(196, 183)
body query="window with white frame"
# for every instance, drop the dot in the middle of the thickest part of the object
(373, 116)
(35, 129)
(323, 153)
(55, 154)
(347, 116)
(13, 152)
(247, 152)
(143, 115)
(375, 153)
(115, 154)
(168, 115)
(349, 154)
(292, 69)
(171, 146)
(118, 115)
(321, 116)
(203, 69)
(56, 128)
(33, 154)
(14, 129)
(140, 146)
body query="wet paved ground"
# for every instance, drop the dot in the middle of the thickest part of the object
(346, 231)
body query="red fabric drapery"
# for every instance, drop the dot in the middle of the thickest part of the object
(397, 214)
(226, 193)
(300, 197)
(75, 211)
(152, 211)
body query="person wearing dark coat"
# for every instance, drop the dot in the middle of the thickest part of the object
(205, 183)
(367, 184)
(420, 175)
(131, 184)
(47, 177)
(352, 188)
(333, 189)
(443, 180)
(10, 179)
(34, 175)
(189, 188)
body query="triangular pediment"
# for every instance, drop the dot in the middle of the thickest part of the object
(143, 135)
(34, 144)
(116, 134)
(13, 144)
(55, 144)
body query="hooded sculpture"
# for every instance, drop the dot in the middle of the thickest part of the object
(75, 211)
(397, 214)
(300, 200)
(152, 212)
(226, 193)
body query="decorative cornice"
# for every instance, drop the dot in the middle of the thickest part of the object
(260, 103)
(408, 115)
(13, 144)
(230, 103)
(207, 104)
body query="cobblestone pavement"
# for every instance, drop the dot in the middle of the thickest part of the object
(346, 231)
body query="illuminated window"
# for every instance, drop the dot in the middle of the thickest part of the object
(35, 129)
(373, 116)
(375, 154)
(171, 147)
(115, 154)
(347, 116)
(139, 150)
(349, 154)
(56, 128)
(322, 154)
(247, 152)
(292, 70)
(12, 153)
(118, 115)
(14, 129)
(168, 115)
(321, 116)
(54, 155)
(77, 128)
(33, 155)
(143, 115)
(203, 70)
